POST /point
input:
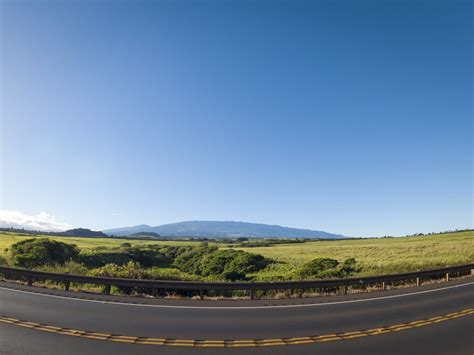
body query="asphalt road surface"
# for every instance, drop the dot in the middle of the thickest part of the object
(431, 319)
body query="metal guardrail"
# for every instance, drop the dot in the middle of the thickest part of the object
(31, 276)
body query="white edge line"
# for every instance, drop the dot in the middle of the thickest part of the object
(241, 307)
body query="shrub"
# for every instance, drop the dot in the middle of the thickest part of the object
(189, 260)
(327, 268)
(3, 261)
(37, 252)
(248, 262)
(69, 267)
(224, 264)
(349, 267)
(320, 267)
(132, 270)
(148, 257)
(173, 251)
(99, 259)
(215, 263)
(144, 257)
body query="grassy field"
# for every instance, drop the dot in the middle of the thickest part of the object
(7, 239)
(375, 256)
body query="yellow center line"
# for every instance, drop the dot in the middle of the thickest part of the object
(235, 342)
(377, 331)
(297, 342)
(298, 339)
(150, 341)
(326, 336)
(352, 335)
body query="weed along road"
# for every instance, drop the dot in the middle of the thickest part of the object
(431, 319)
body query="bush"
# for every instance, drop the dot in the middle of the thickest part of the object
(132, 270)
(222, 264)
(189, 260)
(247, 262)
(173, 251)
(99, 259)
(324, 268)
(148, 257)
(144, 257)
(35, 252)
(349, 267)
(3, 261)
(215, 263)
(69, 267)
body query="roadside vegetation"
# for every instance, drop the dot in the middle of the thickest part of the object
(144, 262)
(239, 260)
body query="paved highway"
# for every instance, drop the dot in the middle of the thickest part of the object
(431, 319)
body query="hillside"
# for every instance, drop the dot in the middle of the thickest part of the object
(222, 229)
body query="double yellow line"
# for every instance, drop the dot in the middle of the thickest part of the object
(237, 342)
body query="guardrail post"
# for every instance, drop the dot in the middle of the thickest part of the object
(29, 281)
(251, 294)
(66, 285)
(300, 293)
(418, 282)
(447, 276)
(201, 294)
(107, 289)
(472, 272)
(384, 286)
(342, 290)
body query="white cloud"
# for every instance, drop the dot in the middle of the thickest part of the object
(40, 222)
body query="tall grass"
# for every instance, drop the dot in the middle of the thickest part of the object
(375, 256)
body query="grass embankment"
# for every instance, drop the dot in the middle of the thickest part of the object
(374, 256)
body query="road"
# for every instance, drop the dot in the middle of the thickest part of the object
(431, 319)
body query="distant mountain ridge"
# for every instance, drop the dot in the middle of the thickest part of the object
(221, 229)
(76, 232)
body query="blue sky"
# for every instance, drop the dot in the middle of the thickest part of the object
(353, 117)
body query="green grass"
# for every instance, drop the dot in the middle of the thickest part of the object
(375, 256)
(7, 239)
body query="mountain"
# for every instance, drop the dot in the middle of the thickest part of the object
(128, 230)
(222, 229)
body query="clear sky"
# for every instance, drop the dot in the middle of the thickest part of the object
(352, 117)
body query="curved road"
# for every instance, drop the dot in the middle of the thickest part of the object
(431, 319)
